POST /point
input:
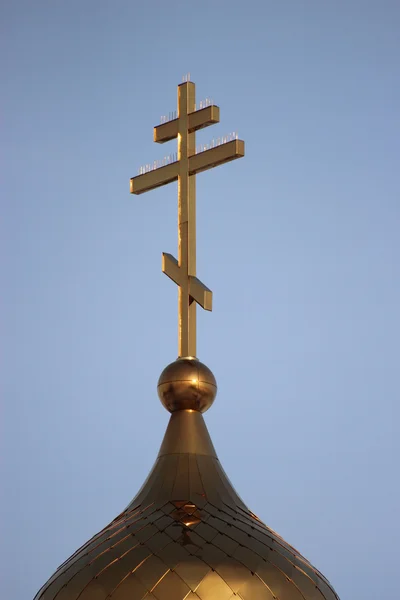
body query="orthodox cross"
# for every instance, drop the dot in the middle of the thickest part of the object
(183, 168)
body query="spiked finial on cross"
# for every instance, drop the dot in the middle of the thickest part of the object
(184, 169)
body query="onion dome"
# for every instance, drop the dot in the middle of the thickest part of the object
(187, 534)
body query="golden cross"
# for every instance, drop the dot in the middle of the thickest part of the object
(190, 161)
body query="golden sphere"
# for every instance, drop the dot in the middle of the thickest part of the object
(187, 384)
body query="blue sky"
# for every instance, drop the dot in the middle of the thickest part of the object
(299, 242)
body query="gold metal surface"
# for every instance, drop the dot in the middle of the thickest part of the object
(187, 384)
(187, 434)
(188, 162)
(187, 535)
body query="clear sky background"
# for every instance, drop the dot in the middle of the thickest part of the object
(299, 242)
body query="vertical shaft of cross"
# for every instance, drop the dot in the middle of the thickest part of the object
(186, 222)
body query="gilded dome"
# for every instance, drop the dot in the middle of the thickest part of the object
(187, 535)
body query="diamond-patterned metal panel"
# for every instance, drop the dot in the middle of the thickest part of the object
(151, 571)
(192, 571)
(213, 586)
(171, 587)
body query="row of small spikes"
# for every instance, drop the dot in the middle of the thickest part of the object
(173, 157)
(174, 115)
